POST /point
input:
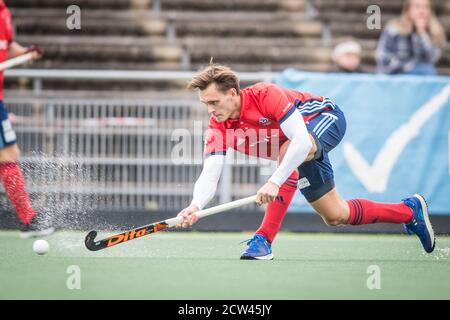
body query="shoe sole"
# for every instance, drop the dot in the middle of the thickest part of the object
(267, 257)
(424, 205)
(31, 234)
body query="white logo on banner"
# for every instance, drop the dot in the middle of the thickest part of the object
(376, 176)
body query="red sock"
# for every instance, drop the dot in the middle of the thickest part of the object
(14, 184)
(277, 209)
(364, 211)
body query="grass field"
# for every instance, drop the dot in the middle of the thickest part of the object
(171, 265)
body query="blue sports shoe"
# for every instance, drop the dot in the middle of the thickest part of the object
(258, 248)
(420, 224)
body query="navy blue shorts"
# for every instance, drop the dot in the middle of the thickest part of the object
(7, 134)
(316, 176)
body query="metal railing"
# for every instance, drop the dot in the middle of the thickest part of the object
(39, 75)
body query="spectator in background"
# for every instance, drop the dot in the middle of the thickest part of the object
(347, 56)
(411, 44)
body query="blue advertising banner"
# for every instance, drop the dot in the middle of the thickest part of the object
(398, 135)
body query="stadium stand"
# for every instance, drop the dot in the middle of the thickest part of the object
(182, 35)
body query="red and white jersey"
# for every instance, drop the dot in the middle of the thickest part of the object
(6, 37)
(264, 106)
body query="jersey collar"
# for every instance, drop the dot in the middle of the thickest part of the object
(233, 123)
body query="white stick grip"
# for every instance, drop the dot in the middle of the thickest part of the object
(16, 61)
(226, 206)
(213, 210)
(172, 222)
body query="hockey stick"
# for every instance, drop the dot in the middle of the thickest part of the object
(93, 245)
(16, 61)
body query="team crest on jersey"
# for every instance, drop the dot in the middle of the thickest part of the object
(209, 138)
(264, 121)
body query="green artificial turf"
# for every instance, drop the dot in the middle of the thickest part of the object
(192, 265)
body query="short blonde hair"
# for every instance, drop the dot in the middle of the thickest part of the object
(224, 78)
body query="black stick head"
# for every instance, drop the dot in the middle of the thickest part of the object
(90, 243)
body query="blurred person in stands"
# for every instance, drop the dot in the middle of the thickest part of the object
(411, 44)
(347, 56)
(10, 172)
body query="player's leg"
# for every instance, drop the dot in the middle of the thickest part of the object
(259, 246)
(335, 211)
(277, 209)
(320, 192)
(332, 208)
(13, 180)
(412, 212)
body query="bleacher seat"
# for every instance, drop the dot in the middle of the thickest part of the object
(250, 35)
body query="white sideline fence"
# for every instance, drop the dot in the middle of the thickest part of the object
(40, 75)
(117, 153)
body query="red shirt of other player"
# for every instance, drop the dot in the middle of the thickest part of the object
(6, 38)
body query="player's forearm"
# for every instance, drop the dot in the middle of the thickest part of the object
(206, 185)
(15, 50)
(295, 155)
(299, 147)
